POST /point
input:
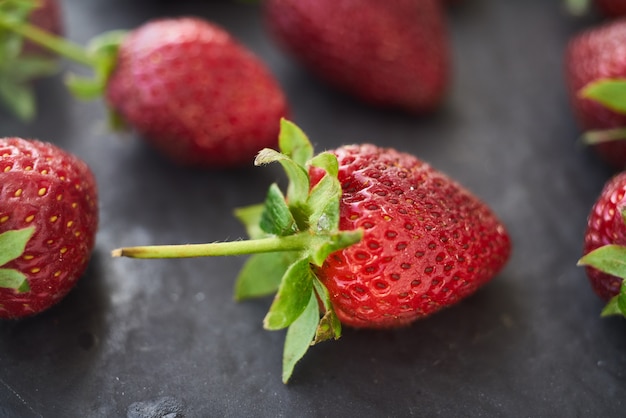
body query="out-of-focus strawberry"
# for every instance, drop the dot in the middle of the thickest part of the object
(48, 223)
(185, 85)
(388, 53)
(593, 56)
(604, 250)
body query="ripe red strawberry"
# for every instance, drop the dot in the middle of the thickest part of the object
(377, 237)
(391, 53)
(48, 222)
(593, 55)
(185, 85)
(427, 241)
(606, 232)
(195, 93)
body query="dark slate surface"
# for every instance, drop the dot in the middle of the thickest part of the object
(151, 338)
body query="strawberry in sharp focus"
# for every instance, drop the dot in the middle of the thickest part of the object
(374, 237)
(184, 84)
(391, 54)
(427, 241)
(48, 223)
(594, 60)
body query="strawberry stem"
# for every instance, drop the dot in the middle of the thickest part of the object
(296, 242)
(56, 44)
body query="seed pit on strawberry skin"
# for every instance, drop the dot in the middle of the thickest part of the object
(391, 234)
(29, 218)
(373, 245)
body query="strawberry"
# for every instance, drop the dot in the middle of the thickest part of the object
(605, 245)
(374, 237)
(185, 85)
(48, 222)
(392, 54)
(595, 56)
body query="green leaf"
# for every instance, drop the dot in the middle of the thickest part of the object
(329, 326)
(298, 187)
(617, 304)
(326, 161)
(13, 279)
(324, 198)
(293, 295)
(611, 93)
(294, 143)
(328, 244)
(32, 67)
(299, 337)
(262, 273)
(13, 243)
(18, 98)
(276, 218)
(250, 217)
(102, 51)
(610, 259)
(84, 88)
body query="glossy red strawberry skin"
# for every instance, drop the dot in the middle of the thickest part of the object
(392, 53)
(196, 94)
(605, 225)
(47, 188)
(594, 54)
(427, 244)
(612, 8)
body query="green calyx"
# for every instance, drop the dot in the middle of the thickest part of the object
(17, 69)
(100, 55)
(610, 259)
(289, 235)
(12, 245)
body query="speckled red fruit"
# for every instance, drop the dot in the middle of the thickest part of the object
(427, 243)
(388, 53)
(43, 186)
(612, 8)
(605, 225)
(195, 93)
(591, 55)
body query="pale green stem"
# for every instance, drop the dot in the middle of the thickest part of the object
(56, 44)
(296, 242)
